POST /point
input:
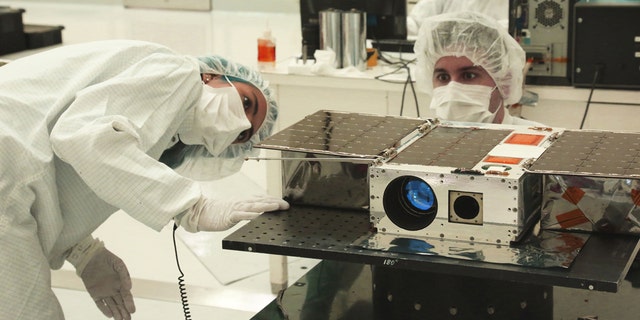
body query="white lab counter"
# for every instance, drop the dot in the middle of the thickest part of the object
(299, 95)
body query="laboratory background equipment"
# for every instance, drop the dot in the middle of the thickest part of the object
(606, 44)
(579, 42)
(386, 19)
(544, 29)
(344, 34)
(16, 35)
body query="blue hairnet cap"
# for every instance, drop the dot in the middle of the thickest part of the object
(195, 161)
(478, 37)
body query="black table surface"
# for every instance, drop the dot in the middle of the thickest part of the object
(328, 233)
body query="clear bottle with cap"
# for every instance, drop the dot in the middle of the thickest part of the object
(266, 51)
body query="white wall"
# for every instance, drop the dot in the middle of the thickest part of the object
(79, 1)
(223, 5)
(289, 6)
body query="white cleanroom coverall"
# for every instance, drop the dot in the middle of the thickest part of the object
(82, 129)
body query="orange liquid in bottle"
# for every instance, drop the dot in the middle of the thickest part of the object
(266, 52)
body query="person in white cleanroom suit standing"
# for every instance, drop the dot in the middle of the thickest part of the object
(93, 128)
(471, 67)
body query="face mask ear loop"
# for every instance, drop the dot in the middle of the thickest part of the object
(490, 95)
(229, 82)
(498, 108)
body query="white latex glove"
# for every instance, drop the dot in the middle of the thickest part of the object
(106, 278)
(221, 214)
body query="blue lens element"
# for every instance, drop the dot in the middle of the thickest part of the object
(419, 194)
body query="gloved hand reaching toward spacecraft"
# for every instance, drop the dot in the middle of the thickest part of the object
(105, 276)
(221, 214)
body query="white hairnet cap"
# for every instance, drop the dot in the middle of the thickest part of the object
(194, 160)
(479, 38)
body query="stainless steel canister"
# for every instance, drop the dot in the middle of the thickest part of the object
(331, 32)
(354, 31)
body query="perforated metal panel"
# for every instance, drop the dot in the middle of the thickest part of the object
(592, 153)
(308, 227)
(548, 14)
(451, 147)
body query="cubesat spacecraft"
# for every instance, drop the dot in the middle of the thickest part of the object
(477, 183)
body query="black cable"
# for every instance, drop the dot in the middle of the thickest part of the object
(379, 77)
(409, 81)
(413, 90)
(593, 85)
(181, 285)
(403, 64)
(400, 60)
(404, 91)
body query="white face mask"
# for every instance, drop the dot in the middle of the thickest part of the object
(463, 102)
(217, 121)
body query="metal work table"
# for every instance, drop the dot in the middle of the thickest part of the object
(325, 233)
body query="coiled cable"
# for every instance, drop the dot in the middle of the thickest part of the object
(181, 284)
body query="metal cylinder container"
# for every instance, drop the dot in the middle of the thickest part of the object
(354, 31)
(331, 33)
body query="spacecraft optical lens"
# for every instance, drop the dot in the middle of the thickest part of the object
(419, 194)
(410, 203)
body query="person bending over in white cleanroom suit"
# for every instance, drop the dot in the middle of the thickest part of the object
(471, 67)
(93, 128)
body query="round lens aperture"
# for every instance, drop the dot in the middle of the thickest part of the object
(419, 194)
(410, 202)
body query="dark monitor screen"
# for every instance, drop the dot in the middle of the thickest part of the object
(606, 45)
(386, 19)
